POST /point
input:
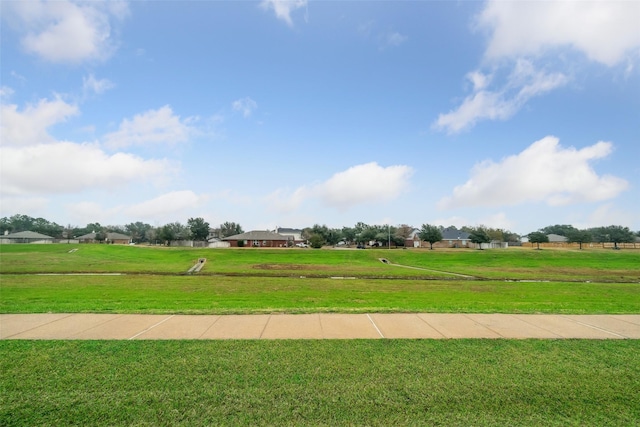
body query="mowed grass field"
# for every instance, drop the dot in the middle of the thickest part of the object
(327, 382)
(53, 278)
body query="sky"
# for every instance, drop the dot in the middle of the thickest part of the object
(508, 114)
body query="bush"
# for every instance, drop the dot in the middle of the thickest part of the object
(316, 241)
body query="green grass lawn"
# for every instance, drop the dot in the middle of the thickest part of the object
(326, 382)
(225, 295)
(361, 382)
(513, 263)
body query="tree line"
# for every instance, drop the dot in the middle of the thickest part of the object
(140, 232)
(317, 235)
(611, 234)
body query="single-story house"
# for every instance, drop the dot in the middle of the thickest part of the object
(116, 238)
(257, 239)
(26, 237)
(451, 238)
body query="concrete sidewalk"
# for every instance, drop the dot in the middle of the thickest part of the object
(316, 326)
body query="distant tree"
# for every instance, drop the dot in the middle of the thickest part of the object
(172, 232)
(139, 231)
(349, 234)
(579, 236)
(511, 237)
(316, 241)
(559, 229)
(101, 236)
(619, 234)
(538, 237)
(479, 235)
(198, 228)
(368, 234)
(430, 233)
(230, 229)
(401, 234)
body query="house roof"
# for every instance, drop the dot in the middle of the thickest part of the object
(257, 235)
(454, 234)
(118, 236)
(556, 238)
(27, 235)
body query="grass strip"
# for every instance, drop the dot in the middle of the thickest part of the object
(250, 295)
(513, 263)
(362, 382)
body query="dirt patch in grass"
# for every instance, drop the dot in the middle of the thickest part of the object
(288, 267)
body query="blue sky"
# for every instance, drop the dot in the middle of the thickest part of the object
(509, 114)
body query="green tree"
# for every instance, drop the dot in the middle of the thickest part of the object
(614, 234)
(230, 229)
(579, 236)
(559, 229)
(349, 234)
(538, 237)
(139, 231)
(198, 228)
(316, 241)
(430, 233)
(401, 234)
(172, 232)
(479, 235)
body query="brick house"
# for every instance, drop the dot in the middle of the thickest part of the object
(257, 239)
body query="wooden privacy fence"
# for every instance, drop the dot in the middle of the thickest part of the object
(592, 245)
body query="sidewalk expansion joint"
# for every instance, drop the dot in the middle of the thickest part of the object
(151, 327)
(375, 326)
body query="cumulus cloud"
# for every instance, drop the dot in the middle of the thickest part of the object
(605, 31)
(283, 8)
(244, 105)
(524, 35)
(36, 163)
(358, 185)
(159, 126)
(65, 31)
(29, 126)
(66, 167)
(544, 172)
(523, 83)
(167, 204)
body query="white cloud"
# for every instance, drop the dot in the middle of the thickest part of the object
(34, 206)
(283, 8)
(92, 85)
(66, 167)
(608, 214)
(65, 31)
(362, 184)
(29, 126)
(605, 31)
(167, 205)
(523, 83)
(151, 127)
(544, 172)
(91, 212)
(245, 105)
(525, 34)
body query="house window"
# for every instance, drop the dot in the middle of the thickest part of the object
(464, 243)
(256, 243)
